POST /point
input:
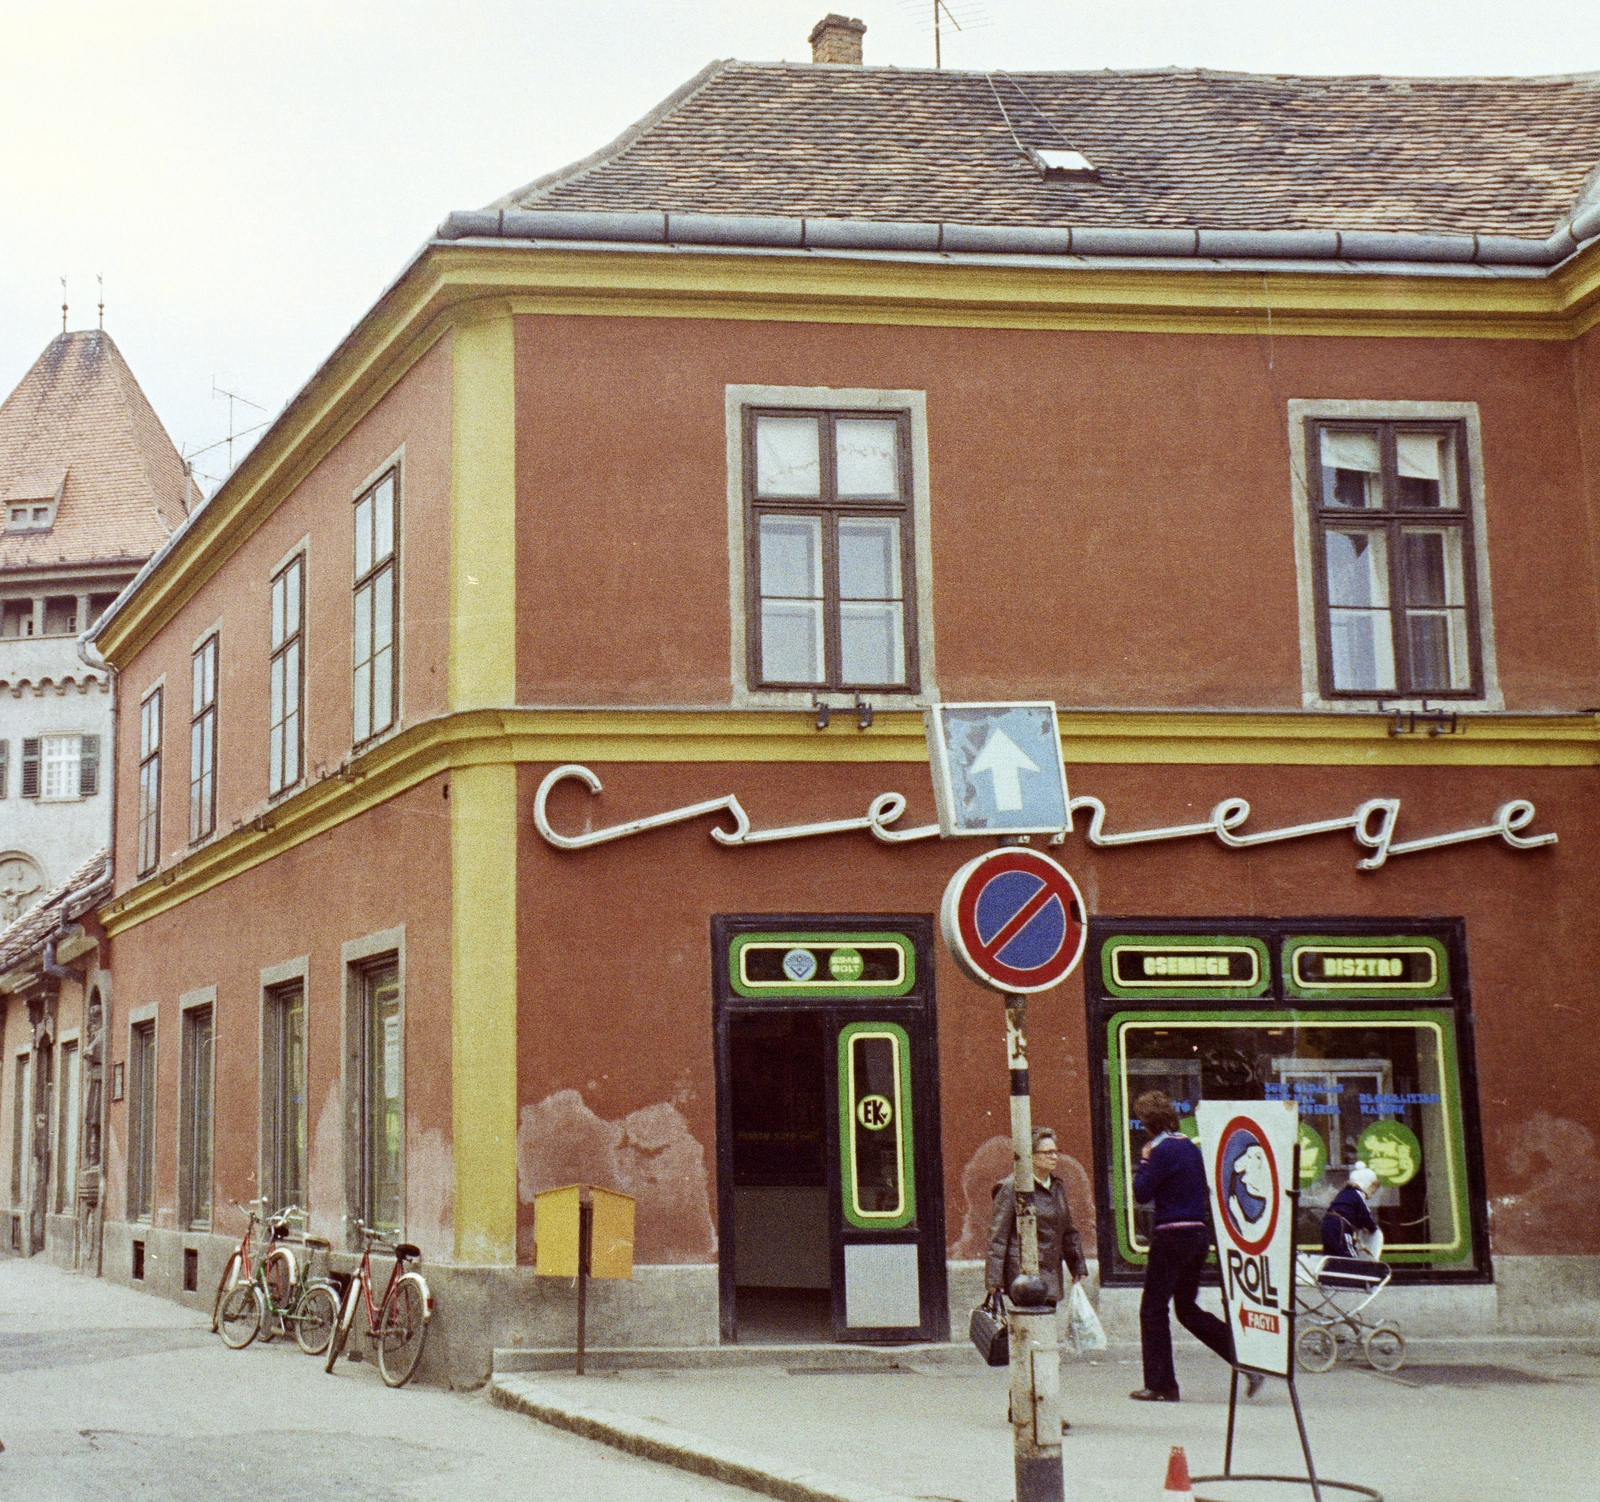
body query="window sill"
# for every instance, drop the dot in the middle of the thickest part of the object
(1483, 704)
(840, 700)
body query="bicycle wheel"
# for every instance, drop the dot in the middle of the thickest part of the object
(225, 1285)
(278, 1278)
(1315, 1348)
(240, 1318)
(314, 1318)
(402, 1330)
(1386, 1349)
(347, 1319)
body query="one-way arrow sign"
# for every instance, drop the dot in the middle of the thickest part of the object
(997, 769)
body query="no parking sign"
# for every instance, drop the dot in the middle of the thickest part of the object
(1013, 920)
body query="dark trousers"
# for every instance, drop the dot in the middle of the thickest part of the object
(1177, 1258)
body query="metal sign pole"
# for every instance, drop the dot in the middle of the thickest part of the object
(585, 1252)
(1035, 1360)
(1294, 1248)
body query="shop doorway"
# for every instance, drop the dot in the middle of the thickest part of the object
(830, 1184)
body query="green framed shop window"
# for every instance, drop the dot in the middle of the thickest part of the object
(790, 966)
(1382, 1086)
(876, 1166)
(1366, 1026)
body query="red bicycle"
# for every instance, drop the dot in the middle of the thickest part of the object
(239, 1266)
(398, 1323)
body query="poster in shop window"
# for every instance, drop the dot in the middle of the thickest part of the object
(1249, 1156)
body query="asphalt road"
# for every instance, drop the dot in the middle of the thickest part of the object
(105, 1392)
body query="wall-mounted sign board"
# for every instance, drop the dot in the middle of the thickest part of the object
(1207, 967)
(788, 966)
(997, 769)
(1324, 967)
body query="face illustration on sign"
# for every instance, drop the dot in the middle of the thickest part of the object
(1247, 1186)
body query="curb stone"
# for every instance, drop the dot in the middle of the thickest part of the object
(651, 1440)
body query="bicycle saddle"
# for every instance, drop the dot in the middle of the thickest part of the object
(320, 1242)
(405, 1249)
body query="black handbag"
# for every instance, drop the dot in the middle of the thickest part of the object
(989, 1332)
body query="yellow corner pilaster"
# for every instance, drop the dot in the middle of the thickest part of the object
(483, 512)
(483, 1033)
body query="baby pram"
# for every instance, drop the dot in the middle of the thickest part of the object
(1332, 1295)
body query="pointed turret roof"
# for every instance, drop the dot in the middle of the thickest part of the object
(79, 427)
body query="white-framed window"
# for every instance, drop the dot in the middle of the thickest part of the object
(829, 553)
(375, 681)
(203, 740)
(1391, 552)
(59, 768)
(285, 691)
(149, 823)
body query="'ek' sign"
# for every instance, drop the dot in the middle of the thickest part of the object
(1249, 1153)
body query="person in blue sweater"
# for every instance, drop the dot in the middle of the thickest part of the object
(1349, 1216)
(1172, 1178)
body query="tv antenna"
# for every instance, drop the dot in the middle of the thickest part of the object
(102, 282)
(63, 305)
(964, 15)
(233, 396)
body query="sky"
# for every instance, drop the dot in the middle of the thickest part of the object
(248, 178)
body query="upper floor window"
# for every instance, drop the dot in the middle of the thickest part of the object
(830, 556)
(1393, 560)
(56, 768)
(283, 731)
(149, 828)
(33, 516)
(203, 741)
(376, 585)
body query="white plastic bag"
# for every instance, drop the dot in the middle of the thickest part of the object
(1083, 1324)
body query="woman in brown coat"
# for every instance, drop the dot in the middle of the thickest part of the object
(1058, 1236)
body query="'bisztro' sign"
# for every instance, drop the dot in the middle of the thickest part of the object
(1249, 1152)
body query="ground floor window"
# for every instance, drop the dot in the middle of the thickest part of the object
(19, 1129)
(283, 1096)
(67, 1131)
(381, 1150)
(1367, 1029)
(194, 1131)
(142, 1121)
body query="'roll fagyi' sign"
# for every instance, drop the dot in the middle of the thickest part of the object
(1249, 1153)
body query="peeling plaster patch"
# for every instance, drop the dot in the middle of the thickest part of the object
(325, 1179)
(1557, 1157)
(984, 1170)
(430, 1195)
(649, 1154)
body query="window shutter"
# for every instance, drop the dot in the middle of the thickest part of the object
(30, 767)
(88, 766)
(5, 768)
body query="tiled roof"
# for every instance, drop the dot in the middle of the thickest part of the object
(80, 411)
(1181, 149)
(29, 932)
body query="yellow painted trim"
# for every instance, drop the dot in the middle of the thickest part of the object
(485, 737)
(483, 1014)
(441, 288)
(483, 511)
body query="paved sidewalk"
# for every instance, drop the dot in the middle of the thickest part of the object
(109, 1394)
(1477, 1423)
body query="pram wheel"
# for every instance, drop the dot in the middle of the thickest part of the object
(1386, 1349)
(1315, 1348)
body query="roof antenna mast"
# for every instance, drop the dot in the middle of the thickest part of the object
(63, 305)
(102, 282)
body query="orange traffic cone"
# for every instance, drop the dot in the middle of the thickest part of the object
(1177, 1488)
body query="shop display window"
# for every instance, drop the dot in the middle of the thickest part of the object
(1367, 1031)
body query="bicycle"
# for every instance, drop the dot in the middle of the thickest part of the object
(281, 1292)
(238, 1265)
(400, 1319)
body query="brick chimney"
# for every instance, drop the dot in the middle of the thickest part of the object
(837, 39)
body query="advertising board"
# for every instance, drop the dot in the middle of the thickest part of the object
(1249, 1155)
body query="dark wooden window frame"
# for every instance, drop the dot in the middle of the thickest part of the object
(281, 1000)
(203, 751)
(149, 819)
(197, 1116)
(368, 579)
(141, 1120)
(1391, 518)
(293, 643)
(830, 508)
